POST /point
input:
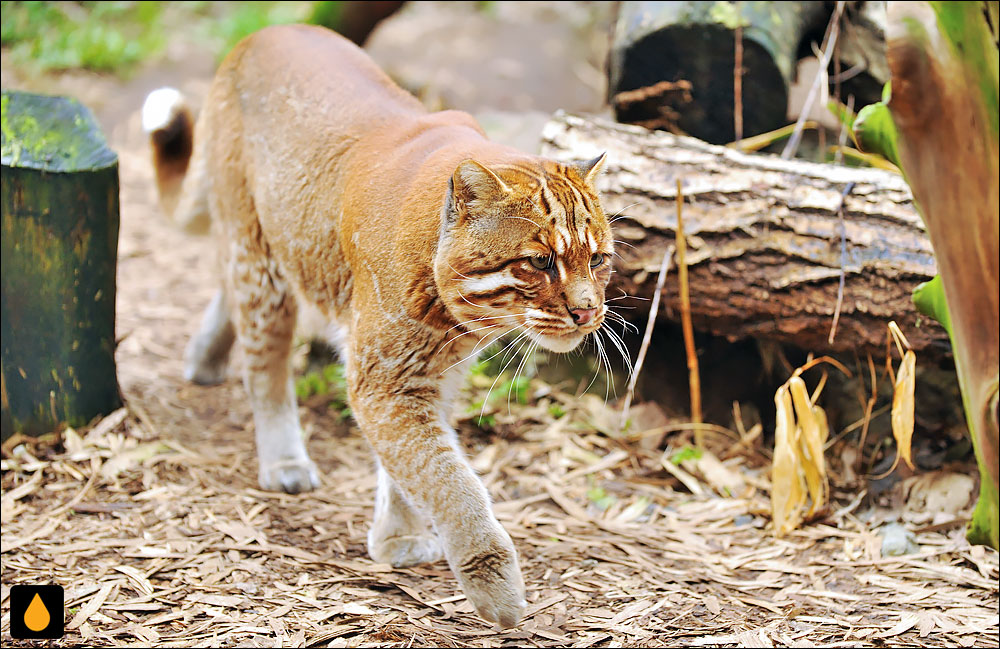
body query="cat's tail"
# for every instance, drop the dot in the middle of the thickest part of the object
(181, 178)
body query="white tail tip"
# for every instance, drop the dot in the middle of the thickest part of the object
(160, 108)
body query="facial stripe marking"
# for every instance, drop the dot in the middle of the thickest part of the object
(489, 283)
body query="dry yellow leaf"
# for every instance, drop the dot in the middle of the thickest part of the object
(902, 406)
(787, 494)
(811, 423)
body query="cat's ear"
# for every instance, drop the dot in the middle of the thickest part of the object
(591, 169)
(474, 181)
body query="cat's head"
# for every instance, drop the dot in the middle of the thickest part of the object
(525, 246)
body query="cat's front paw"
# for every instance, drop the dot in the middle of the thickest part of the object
(491, 580)
(291, 476)
(403, 551)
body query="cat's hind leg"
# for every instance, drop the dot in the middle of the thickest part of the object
(207, 355)
(265, 313)
(399, 534)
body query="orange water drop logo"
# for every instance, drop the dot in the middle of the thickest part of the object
(36, 617)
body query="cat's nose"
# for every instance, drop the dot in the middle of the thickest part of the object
(582, 316)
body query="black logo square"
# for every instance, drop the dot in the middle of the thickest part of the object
(36, 612)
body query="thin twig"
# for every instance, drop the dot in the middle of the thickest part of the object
(868, 416)
(843, 261)
(626, 98)
(738, 83)
(828, 45)
(648, 334)
(694, 381)
(838, 156)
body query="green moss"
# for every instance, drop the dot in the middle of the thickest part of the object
(51, 134)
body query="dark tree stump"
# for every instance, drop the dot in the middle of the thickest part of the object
(59, 245)
(352, 18)
(693, 44)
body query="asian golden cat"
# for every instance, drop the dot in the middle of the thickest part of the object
(419, 239)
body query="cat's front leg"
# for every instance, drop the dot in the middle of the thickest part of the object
(424, 462)
(399, 534)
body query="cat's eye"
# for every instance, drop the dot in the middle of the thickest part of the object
(596, 260)
(541, 263)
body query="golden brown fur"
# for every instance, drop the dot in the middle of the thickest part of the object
(421, 240)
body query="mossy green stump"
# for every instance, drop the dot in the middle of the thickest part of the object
(59, 249)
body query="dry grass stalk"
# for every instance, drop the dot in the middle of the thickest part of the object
(694, 380)
(819, 82)
(738, 82)
(843, 262)
(654, 309)
(869, 406)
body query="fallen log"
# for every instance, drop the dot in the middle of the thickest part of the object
(765, 245)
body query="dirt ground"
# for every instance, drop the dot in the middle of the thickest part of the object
(152, 520)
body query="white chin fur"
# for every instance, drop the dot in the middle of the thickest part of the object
(560, 344)
(160, 107)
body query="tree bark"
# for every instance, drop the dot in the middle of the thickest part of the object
(764, 238)
(59, 245)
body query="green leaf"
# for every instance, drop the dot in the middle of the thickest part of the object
(964, 26)
(983, 527)
(601, 499)
(874, 130)
(844, 115)
(686, 453)
(930, 301)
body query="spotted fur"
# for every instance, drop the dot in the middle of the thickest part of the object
(417, 237)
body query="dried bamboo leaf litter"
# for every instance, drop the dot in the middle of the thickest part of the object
(152, 521)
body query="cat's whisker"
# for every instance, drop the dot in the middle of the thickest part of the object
(609, 376)
(625, 326)
(476, 350)
(486, 401)
(458, 273)
(624, 243)
(626, 297)
(521, 218)
(611, 317)
(620, 344)
(622, 349)
(482, 319)
(624, 323)
(531, 349)
(479, 306)
(600, 351)
(618, 215)
(466, 333)
(611, 381)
